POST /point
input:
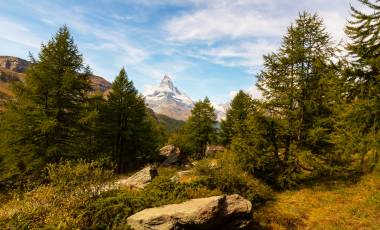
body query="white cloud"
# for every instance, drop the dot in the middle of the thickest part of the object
(253, 91)
(15, 32)
(223, 21)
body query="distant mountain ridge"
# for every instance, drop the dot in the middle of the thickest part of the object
(13, 68)
(166, 98)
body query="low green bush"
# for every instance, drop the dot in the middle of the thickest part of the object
(224, 173)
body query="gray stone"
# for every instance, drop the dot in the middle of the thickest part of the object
(171, 154)
(217, 212)
(140, 179)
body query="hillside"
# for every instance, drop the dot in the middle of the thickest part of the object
(13, 68)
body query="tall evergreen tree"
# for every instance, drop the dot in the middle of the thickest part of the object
(241, 106)
(130, 128)
(360, 118)
(296, 84)
(41, 123)
(201, 126)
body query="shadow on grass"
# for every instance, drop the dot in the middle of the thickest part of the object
(340, 179)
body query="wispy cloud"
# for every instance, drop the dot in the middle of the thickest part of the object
(15, 32)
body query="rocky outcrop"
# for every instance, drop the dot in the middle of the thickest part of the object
(217, 212)
(12, 68)
(140, 179)
(15, 64)
(170, 154)
(99, 84)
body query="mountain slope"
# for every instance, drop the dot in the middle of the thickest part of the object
(168, 100)
(13, 68)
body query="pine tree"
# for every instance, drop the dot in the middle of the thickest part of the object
(201, 126)
(130, 129)
(297, 83)
(360, 118)
(241, 106)
(41, 123)
(295, 80)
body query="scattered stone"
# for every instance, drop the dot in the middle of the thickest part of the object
(140, 179)
(171, 154)
(211, 149)
(217, 212)
(180, 175)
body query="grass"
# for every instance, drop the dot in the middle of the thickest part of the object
(333, 205)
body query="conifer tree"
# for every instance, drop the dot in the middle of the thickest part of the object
(241, 106)
(130, 128)
(296, 117)
(201, 126)
(42, 122)
(295, 83)
(360, 117)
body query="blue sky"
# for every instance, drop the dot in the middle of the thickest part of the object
(209, 48)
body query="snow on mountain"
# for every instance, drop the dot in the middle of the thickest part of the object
(220, 110)
(169, 100)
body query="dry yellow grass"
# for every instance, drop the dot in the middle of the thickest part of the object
(337, 205)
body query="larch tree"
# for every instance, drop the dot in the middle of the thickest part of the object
(240, 107)
(361, 116)
(129, 128)
(42, 122)
(201, 126)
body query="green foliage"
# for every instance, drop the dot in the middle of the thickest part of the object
(299, 86)
(41, 124)
(80, 174)
(224, 173)
(131, 133)
(54, 205)
(200, 129)
(234, 124)
(359, 116)
(170, 125)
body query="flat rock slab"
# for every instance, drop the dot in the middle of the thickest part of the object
(140, 179)
(217, 212)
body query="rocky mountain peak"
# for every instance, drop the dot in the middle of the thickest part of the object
(169, 100)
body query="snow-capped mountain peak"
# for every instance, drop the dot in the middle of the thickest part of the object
(169, 100)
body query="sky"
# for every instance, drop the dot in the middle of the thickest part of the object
(208, 47)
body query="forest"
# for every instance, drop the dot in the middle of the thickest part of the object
(305, 155)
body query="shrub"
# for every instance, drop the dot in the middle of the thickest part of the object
(55, 205)
(225, 174)
(112, 210)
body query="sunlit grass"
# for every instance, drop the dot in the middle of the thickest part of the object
(337, 205)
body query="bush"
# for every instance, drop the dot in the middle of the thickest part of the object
(112, 210)
(80, 175)
(225, 174)
(54, 205)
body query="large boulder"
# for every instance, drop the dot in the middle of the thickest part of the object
(170, 154)
(140, 179)
(217, 212)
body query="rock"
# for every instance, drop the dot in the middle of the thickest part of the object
(211, 149)
(217, 212)
(15, 64)
(140, 179)
(171, 154)
(180, 175)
